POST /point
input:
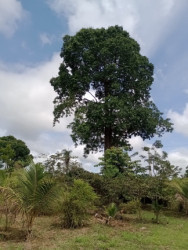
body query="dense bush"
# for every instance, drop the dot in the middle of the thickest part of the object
(76, 204)
(130, 207)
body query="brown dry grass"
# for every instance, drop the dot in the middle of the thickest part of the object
(47, 233)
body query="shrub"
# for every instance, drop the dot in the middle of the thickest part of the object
(130, 207)
(76, 204)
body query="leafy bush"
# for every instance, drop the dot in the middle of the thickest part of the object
(130, 207)
(76, 204)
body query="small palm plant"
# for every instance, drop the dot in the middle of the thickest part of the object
(111, 211)
(8, 207)
(33, 195)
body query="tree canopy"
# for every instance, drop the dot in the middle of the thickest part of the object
(14, 152)
(105, 82)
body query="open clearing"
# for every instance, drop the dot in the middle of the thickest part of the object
(127, 234)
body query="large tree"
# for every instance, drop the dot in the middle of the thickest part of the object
(105, 82)
(14, 152)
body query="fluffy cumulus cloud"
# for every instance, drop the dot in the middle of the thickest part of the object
(133, 15)
(180, 120)
(26, 99)
(11, 13)
(179, 157)
(95, 13)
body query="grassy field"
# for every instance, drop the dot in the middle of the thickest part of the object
(128, 234)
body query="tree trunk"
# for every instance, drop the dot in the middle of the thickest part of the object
(107, 138)
(108, 129)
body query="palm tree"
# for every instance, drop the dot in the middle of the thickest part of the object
(34, 194)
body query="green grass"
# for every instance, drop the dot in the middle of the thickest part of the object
(170, 234)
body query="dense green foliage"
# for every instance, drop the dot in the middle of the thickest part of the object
(105, 82)
(14, 152)
(78, 201)
(116, 161)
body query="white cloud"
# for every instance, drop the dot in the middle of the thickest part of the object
(179, 157)
(26, 99)
(2, 132)
(137, 143)
(148, 21)
(180, 120)
(90, 161)
(167, 6)
(11, 13)
(46, 38)
(96, 13)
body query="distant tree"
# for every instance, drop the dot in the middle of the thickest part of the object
(105, 82)
(67, 157)
(160, 172)
(60, 162)
(158, 163)
(7, 155)
(14, 152)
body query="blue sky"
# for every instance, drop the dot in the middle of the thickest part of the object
(31, 38)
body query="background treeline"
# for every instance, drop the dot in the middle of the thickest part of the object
(60, 186)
